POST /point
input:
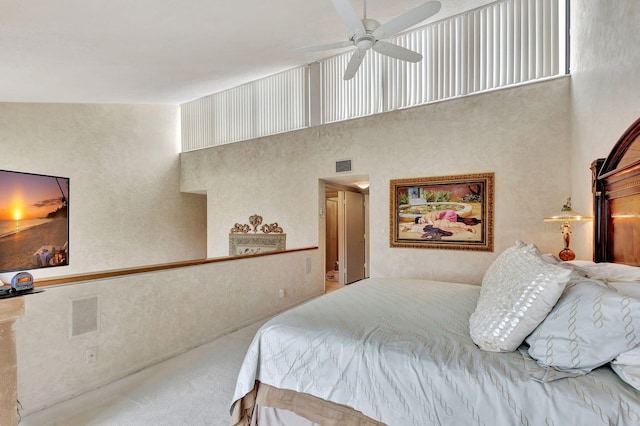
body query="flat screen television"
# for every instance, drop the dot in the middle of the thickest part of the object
(34, 221)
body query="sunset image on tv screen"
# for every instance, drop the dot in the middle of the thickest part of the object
(34, 221)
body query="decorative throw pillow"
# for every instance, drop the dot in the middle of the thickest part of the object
(518, 291)
(590, 325)
(573, 265)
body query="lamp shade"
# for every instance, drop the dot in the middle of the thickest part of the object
(566, 214)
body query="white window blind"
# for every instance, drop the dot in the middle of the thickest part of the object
(271, 105)
(499, 45)
(503, 44)
(280, 103)
(360, 96)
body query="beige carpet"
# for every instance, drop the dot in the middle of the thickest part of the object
(192, 389)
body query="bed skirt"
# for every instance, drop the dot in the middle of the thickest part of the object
(307, 408)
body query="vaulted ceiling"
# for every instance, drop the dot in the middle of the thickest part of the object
(166, 51)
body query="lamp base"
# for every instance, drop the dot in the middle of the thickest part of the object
(566, 254)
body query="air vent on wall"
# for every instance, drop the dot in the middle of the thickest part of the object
(84, 316)
(343, 166)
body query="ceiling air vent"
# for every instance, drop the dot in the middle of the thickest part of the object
(343, 166)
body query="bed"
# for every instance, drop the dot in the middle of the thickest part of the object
(541, 342)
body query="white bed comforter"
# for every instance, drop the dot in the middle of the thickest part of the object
(399, 351)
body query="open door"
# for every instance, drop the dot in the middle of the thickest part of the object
(352, 255)
(331, 257)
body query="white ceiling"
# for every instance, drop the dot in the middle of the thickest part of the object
(165, 51)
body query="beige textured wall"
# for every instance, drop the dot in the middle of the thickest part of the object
(522, 134)
(125, 207)
(605, 85)
(146, 318)
(10, 310)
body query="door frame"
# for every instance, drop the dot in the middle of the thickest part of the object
(329, 185)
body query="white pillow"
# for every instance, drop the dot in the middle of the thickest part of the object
(627, 366)
(581, 263)
(628, 373)
(628, 288)
(589, 326)
(608, 271)
(518, 291)
(573, 265)
(630, 357)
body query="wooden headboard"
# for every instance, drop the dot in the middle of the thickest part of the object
(616, 201)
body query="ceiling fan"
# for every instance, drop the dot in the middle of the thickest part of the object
(367, 34)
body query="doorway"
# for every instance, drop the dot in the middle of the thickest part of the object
(346, 234)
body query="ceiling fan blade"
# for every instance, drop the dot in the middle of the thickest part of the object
(396, 51)
(354, 63)
(329, 46)
(348, 15)
(407, 20)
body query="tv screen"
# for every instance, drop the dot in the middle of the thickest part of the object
(34, 221)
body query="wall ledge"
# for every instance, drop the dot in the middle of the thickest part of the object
(70, 279)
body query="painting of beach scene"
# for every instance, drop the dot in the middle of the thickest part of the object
(444, 212)
(34, 221)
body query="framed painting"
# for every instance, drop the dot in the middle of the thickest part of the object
(446, 212)
(34, 221)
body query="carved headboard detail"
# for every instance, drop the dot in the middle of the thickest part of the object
(616, 201)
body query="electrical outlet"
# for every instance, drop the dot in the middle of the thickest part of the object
(307, 265)
(91, 356)
(281, 293)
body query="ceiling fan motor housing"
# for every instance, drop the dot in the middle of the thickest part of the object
(367, 40)
(366, 34)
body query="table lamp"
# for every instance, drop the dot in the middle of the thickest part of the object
(566, 215)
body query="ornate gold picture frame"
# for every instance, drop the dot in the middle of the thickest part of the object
(445, 212)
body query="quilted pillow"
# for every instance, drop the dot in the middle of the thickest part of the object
(518, 291)
(590, 325)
